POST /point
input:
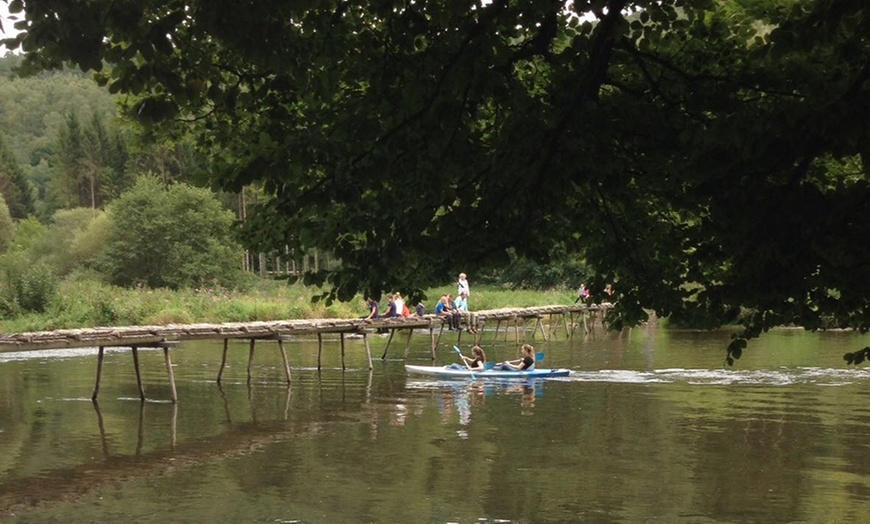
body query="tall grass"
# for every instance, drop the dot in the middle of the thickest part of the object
(88, 303)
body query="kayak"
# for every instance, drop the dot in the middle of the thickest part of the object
(452, 372)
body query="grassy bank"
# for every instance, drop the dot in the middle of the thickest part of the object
(92, 304)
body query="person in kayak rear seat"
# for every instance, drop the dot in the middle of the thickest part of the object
(521, 364)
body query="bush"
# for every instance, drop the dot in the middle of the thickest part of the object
(37, 288)
(172, 237)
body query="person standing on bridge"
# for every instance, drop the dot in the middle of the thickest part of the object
(462, 286)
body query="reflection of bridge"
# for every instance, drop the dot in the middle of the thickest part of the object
(169, 336)
(71, 483)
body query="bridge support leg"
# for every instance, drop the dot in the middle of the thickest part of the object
(368, 349)
(223, 360)
(138, 373)
(284, 357)
(251, 359)
(319, 349)
(169, 371)
(408, 345)
(99, 374)
(392, 332)
(342, 352)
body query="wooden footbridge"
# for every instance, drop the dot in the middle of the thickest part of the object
(171, 335)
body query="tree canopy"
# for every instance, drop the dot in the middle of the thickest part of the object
(177, 236)
(706, 156)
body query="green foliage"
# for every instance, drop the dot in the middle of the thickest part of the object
(32, 113)
(174, 237)
(857, 357)
(7, 227)
(15, 188)
(26, 286)
(564, 272)
(59, 245)
(37, 287)
(90, 163)
(28, 233)
(688, 150)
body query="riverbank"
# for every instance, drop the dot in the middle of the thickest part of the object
(83, 304)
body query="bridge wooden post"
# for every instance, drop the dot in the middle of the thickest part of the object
(539, 323)
(99, 373)
(368, 349)
(319, 349)
(172, 392)
(342, 351)
(284, 357)
(408, 344)
(223, 360)
(392, 332)
(432, 341)
(251, 359)
(138, 373)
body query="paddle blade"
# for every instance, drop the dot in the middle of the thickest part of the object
(456, 349)
(488, 365)
(539, 356)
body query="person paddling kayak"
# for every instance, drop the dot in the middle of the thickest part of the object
(521, 364)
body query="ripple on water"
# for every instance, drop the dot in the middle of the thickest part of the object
(767, 377)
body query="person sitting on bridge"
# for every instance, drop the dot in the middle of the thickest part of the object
(391, 308)
(460, 305)
(443, 309)
(373, 309)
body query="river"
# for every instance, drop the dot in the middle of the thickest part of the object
(651, 427)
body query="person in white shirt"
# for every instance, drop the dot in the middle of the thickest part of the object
(462, 286)
(400, 304)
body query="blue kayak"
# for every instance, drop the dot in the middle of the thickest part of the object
(453, 372)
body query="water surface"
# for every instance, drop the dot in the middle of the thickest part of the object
(651, 427)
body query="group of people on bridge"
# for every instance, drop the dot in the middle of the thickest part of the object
(455, 311)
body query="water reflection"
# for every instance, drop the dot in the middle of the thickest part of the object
(649, 428)
(457, 399)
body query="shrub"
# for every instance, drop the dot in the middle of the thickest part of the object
(172, 237)
(37, 288)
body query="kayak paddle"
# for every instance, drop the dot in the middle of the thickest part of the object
(459, 352)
